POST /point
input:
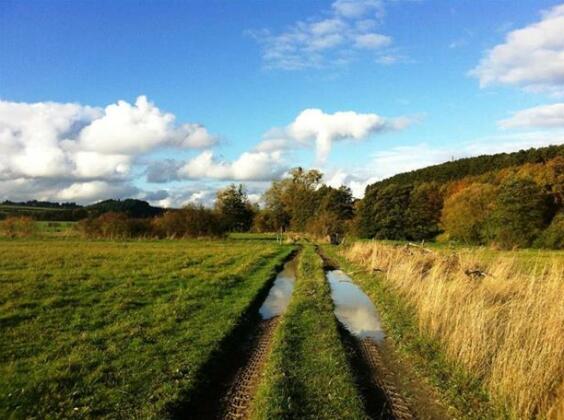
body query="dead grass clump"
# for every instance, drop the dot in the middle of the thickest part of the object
(499, 315)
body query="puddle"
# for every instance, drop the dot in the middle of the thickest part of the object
(279, 296)
(353, 308)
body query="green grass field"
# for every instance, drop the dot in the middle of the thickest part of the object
(118, 329)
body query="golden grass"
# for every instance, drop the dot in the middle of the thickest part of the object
(506, 327)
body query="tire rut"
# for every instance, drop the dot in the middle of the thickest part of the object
(241, 392)
(382, 377)
(375, 381)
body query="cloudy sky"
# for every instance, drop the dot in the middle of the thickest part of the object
(169, 100)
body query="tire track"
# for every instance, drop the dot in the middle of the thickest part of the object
(375, 381)
(240, 395)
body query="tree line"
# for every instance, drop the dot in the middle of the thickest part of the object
(512, 200)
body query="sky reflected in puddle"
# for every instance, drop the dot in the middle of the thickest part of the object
(279, 296)
(353, 308)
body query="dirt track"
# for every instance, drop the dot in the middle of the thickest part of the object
(239, 397)
(382, 379)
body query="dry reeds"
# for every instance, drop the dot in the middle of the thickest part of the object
(498, 314)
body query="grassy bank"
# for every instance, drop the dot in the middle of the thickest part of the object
(117, 329)
(494, 315)
(307, 375)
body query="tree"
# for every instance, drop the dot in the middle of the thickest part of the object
(466, 213)
(523, 210)
(293, 200)
(338, 201)
(424, 211)
(264, 221)
(382, 214)
(234, 208)
(553, 235)
(335, 209)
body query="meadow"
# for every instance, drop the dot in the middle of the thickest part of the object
(118, 329)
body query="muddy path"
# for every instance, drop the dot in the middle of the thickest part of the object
(233, 373)
(389, 386)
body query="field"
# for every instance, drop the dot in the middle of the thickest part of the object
(118, 329)
(159, 329)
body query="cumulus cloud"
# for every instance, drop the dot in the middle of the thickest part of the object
(254, 166)
(545, 116)
(370, 41)
(94, 191)
(161, 171)
(76, 152)
(314, 125)
(334, 38)
(137, 128)
(22, 189)
(531, 57)
(356, 182)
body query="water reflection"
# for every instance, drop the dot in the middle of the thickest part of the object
(353, 308)
(279, 296)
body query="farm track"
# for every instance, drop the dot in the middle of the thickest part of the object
(382, 377)
(375, 381)
(241, 392)
(231, 376)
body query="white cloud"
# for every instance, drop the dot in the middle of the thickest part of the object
(76, 151)
(358, 8)
(314, 125)
(99, 165)
(250, 166)
(370, 41)
(356, 183)
(335, 38)
(277, 143)
(22, 189)
(531, 57)
(93, 191)
(547, 116)
(130, 129)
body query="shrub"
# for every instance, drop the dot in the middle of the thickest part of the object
(191, 221)
(553, 235)
(18, 227)
(114, 226)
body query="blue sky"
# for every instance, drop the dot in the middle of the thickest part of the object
(422, 82)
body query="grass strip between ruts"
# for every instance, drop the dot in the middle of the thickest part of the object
(307, 375)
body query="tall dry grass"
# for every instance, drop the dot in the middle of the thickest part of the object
(506, 327)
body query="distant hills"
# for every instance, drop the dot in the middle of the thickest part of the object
(50, 211)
